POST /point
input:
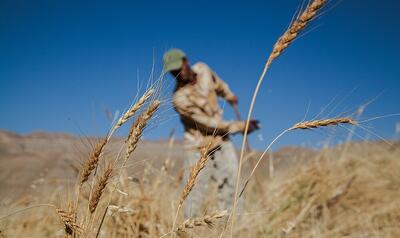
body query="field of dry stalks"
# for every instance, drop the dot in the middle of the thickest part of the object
(351, 190)
(325, 193)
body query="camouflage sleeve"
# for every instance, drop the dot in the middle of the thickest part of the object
(216, 126)
(222, 88)
(192, 115)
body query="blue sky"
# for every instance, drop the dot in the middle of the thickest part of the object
(63, 63)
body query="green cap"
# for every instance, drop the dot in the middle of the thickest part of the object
(173, 59)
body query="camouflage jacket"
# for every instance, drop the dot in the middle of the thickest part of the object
(197, 105)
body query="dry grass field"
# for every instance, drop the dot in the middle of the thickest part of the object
(321, 193)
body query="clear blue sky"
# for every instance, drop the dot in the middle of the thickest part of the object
(62, 63)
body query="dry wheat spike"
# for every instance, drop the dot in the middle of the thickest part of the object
(301, 126)
(68, 219)
(195, 170)
(207, 220)
(135, 107)
(323, 123)
(137, 127)
(298, 25)
(93, 160)
(99, 189)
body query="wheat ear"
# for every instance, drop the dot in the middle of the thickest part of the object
(68, 219)
(323, 123)
(194, 172)
(297, 26)
(301, 126)
(99, 189)
(135, 107)
(93, 160)
(138, 126)
(207, 220)
(283, 42)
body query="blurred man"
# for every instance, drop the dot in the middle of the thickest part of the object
(196, 100)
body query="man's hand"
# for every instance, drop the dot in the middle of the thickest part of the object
(253, 125)
(233, 101)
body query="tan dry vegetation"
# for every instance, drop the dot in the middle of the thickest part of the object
(356, 196)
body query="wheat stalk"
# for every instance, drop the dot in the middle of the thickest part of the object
(283, 42)
(322, 123)
(99, 189)
(134, 108)
(68, 219)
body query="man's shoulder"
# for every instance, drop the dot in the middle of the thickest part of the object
(200, 66)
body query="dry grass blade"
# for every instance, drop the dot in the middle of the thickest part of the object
(137, 127)
(99, 189)
(340, 193)
(323, 123)
(68, 219)
(135, 107)
(207, 220)
(292, 225)
(93, 160)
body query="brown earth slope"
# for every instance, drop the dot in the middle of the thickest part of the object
(29, 163)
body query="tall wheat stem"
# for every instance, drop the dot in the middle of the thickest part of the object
(283, 42)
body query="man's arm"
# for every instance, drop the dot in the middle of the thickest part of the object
(214, 126)
(223, 89)
(191, 113)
